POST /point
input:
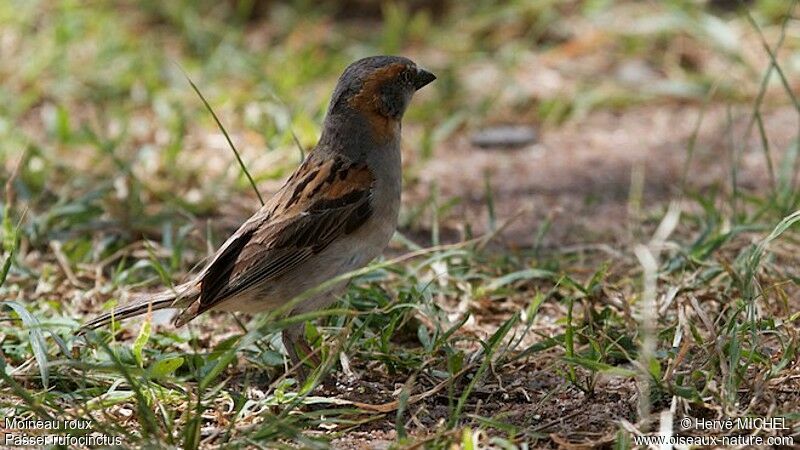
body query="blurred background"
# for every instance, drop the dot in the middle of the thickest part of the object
(603, 91)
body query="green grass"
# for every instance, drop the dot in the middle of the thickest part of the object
(117, 179)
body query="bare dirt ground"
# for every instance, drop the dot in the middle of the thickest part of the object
(530, 397)
(579, 175)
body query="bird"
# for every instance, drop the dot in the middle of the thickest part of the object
(333, 215)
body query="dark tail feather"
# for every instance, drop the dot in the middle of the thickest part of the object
(175, 298)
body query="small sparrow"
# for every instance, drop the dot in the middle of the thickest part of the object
(334, 215)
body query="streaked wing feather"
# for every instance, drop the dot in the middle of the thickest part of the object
(219, 272)
(319, 203)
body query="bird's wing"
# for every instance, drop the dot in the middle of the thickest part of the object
(321, 201)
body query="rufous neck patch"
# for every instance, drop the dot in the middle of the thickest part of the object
(367, 102)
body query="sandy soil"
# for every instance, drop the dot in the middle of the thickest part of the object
(593, 176)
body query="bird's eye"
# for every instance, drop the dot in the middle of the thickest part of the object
(406, 77)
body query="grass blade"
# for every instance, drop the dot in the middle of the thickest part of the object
(491, 347)
(36, 338)
(225, 133)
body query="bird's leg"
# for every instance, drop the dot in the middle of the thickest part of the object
(293, 339)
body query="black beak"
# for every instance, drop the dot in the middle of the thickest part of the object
(423, 78)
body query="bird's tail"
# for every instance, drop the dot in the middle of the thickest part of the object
(177, 297)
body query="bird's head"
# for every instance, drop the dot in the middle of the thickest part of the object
(378, 88)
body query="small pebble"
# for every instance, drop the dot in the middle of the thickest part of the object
(509, 136)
